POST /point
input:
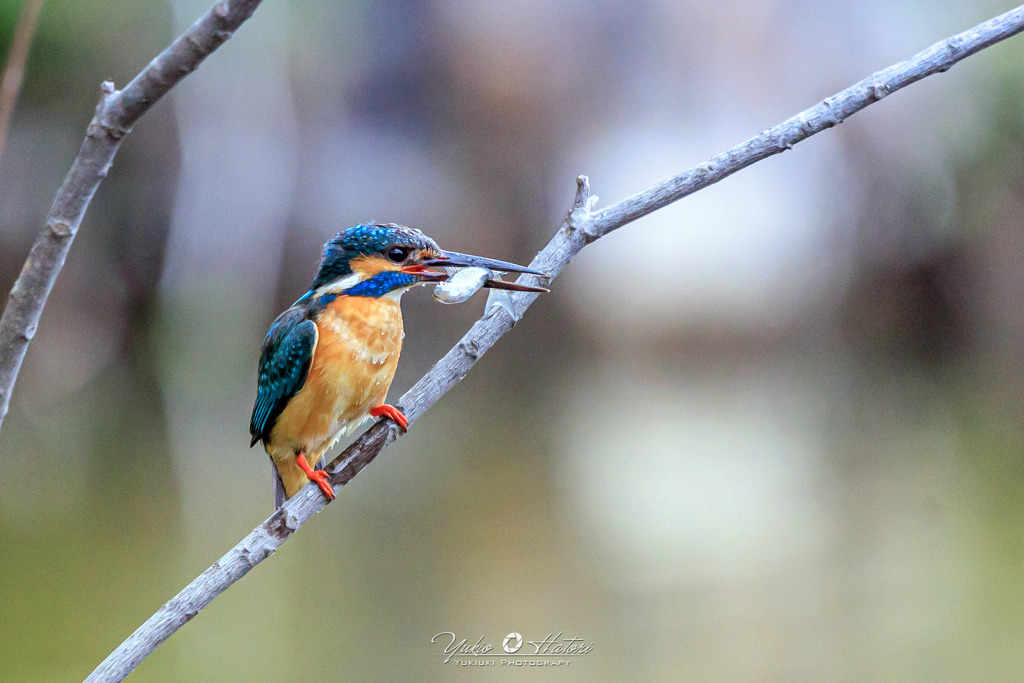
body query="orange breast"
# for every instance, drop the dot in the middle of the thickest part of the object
(360, 339)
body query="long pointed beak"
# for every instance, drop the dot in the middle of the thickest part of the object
(453, 259)
(425, 275)
(514, 286)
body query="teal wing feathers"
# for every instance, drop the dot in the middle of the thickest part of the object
(287, 354)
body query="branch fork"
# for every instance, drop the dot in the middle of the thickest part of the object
(583, 224)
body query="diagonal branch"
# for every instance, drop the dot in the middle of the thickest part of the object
(580, 227)
(116, 113)
(939, 58)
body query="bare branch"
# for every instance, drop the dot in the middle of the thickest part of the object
(580, 227)
(833, 110)
(14, 69)
(116, 113)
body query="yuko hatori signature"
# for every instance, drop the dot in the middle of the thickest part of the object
(554, 645)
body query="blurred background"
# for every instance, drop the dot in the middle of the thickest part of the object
(772, 432)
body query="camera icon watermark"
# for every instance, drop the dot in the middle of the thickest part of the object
(513, 643)
(552, 650)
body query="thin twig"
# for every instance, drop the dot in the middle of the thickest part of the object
(580, 227)
(14, 69)
(833, 110)
(116, 113)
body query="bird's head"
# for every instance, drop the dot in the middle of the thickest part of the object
(387, 259)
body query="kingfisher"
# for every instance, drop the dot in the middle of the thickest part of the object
(328, 360)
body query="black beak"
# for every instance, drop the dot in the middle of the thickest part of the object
(514, 287)
(453, 259)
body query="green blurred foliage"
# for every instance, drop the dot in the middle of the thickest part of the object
(795, 455)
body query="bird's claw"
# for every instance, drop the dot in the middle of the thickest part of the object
(393, 413)
(320, 477)
(323, 481)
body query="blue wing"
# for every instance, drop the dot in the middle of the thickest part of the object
(284, 365)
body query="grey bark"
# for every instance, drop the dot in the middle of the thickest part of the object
(580, 227)
(116, 113)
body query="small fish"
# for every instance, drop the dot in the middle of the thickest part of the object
(462, 283)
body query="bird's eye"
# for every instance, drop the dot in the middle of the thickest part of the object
(397, 254)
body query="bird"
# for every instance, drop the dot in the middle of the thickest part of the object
(328, 360)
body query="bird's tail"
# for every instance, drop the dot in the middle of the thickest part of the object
(279, 492)
(278, 486)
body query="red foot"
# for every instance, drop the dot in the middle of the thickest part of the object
(392, 412)
(319, 476)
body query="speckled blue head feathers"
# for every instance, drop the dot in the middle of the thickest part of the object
(366, 240)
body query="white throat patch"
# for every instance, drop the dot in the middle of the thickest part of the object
(339, 286)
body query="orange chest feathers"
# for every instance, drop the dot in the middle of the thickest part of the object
(360, 339)
(358, 343)
(359, 330)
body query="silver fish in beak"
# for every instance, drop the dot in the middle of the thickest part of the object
(462, 283)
